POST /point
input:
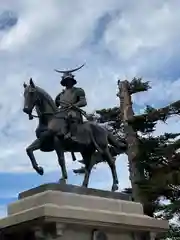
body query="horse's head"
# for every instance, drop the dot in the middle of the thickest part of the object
(30, 97)
(35, 96)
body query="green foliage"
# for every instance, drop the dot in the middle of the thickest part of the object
(152, 115)
(111, 116)
(137, 85)
(173, 233)
(108, 115)
(158, 158)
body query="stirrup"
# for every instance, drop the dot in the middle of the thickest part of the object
(73, 138)
(67, 136)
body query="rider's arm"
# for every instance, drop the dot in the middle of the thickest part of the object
(81, 98)
(57, 100)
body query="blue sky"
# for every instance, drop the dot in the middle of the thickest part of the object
(116, 39)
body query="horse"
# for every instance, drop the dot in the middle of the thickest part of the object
(91, 136)
(98, 158)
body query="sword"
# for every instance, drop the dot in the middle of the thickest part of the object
(77, 108)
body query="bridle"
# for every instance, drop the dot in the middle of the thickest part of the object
(69, 106)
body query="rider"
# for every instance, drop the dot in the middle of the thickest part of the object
(71, 99)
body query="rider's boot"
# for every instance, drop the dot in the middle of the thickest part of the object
(72, 131)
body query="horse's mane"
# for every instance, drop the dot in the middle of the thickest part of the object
(48, 97)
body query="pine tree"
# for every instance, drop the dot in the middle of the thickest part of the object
(154, 162)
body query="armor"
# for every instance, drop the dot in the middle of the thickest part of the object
(70, 100)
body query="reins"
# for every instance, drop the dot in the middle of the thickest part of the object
(69, 106)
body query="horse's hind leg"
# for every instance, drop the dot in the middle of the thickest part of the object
(61, 158)
(30, 149)
(112, 166)
(88, 167)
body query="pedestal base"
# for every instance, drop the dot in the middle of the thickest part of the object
(56, 214)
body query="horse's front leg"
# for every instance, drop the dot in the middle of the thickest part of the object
(30, 149)
(61, 159)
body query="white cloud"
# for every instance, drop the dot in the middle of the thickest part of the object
(51, 34)
(60, 26)
(172, 126)
(163, 92)
(143, 25)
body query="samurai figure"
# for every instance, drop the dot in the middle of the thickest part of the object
(71, 99)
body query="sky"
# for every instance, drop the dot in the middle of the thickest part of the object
(117, 39)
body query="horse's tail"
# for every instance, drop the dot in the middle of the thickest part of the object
(119, 145)
(95, 144)
(94, 141)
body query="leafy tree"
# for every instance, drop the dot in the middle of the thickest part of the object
(154, 161)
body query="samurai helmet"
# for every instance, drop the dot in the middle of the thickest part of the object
(68, 75)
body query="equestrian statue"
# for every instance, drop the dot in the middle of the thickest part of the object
(62, 128)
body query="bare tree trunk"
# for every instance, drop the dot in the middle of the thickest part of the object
(127, 113)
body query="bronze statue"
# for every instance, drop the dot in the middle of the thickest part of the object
(98, 158)
(71, 100)
(52, 131)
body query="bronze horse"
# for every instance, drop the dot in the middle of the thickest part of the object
(91, 137)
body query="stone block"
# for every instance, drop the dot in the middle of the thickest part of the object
(67, 212)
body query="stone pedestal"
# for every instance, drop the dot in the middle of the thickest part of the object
(67, 212)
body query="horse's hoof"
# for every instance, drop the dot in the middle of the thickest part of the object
(62, 181)
(40, 171)
(84, 185)
(114, 187)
